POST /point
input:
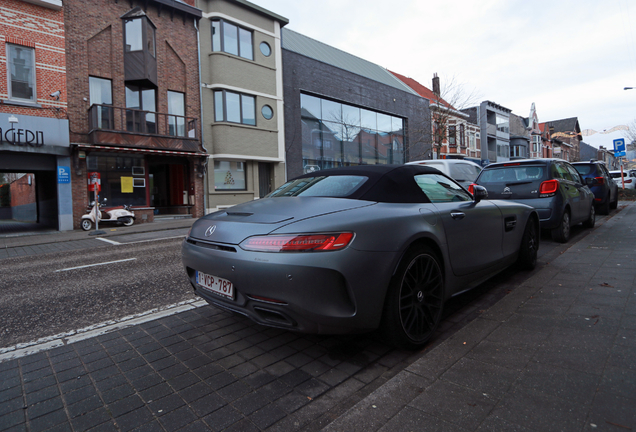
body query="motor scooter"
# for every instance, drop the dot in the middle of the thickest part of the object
(120, 215)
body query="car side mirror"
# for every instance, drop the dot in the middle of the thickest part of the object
(479, 193)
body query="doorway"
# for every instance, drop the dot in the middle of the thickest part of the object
(169, 186)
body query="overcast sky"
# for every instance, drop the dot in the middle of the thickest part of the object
(572, 58)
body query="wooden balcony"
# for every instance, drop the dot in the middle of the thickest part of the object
(125, 127)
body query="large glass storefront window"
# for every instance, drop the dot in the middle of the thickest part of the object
(336, 134)
(122, 176)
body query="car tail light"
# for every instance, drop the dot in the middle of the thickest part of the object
(298, 242)
(627, 180)
(512, 164)
(471, 188)
(548, 188)
(600, 180)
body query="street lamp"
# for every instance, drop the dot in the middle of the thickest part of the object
(629, 88)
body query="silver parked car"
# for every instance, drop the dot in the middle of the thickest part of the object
(353, 249)
(462, 171)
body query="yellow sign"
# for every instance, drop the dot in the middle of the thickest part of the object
(126, 185)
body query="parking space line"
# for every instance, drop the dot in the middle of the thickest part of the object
(94, 265)
(108, 241)
(49, 342)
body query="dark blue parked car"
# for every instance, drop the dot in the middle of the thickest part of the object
(552, 186)
(602, 185)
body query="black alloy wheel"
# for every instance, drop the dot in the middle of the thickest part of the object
(529, 246)
(604, 208)
(561, 234)
(415, 300)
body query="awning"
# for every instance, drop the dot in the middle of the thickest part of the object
(139, 150)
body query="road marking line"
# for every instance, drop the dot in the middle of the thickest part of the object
(61, 339)
(151, 240)
(108, 241)
(94, 265)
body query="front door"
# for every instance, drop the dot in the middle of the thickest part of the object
(264, 179)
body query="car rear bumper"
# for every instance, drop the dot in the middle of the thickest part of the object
(320, 292)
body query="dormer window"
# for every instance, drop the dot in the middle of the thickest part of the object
(139, 33)
(140, 57)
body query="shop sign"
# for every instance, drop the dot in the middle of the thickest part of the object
(21, 137)
(23, 132)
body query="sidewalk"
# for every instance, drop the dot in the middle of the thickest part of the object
(557, 354)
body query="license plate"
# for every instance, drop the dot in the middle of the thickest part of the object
(217, 285)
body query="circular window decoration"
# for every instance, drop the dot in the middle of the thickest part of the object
(266, 49)
(267, 112)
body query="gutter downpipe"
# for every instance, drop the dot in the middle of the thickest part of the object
(205, 165)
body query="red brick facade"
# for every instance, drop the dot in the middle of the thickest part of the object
(41, 28)
(23, 191)
(95, 47)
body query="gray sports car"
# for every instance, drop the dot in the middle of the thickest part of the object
(353, 249)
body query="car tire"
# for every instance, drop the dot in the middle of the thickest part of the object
(87, 224)
(529, 246)
(561, 234)
(591, 220)
(604, 208)
(614, 204)
(415, 299)
(128, 221)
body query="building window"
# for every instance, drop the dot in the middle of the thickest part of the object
(337, 134)
(234, 107)
(452, 135)
(116, 178)
(266, 50)
(141, 116)
(462, 136)
(139, 35)
(21, 65)
(232, 39)
(267, 112)
(229, 175)
(472, 142)
(101, 94)
(176, 111)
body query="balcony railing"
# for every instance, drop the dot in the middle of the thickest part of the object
(117, 119)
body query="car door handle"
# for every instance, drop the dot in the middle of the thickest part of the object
(457, 215)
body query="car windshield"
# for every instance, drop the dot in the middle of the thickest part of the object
(584, 169)
(508, 174)
(464, 172)
(321, 186)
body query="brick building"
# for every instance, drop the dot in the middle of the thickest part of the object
(134, 105)
(33, 102)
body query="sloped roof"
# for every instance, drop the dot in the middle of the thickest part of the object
(565, 125)
(324, 53)
(422, 90)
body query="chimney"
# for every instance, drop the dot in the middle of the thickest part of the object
(190, 2)
(436, 89)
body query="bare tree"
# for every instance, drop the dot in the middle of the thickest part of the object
(630, 132)
(445, 106)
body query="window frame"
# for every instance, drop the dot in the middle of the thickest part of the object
(221, 38)
(224, 117)
(146, 31)
(33, 74)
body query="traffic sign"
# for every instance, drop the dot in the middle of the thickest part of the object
(619, 145)
(619, 153)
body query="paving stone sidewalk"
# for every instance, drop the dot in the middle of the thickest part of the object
(557, 354)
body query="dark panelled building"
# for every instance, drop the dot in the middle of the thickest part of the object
(341, 110)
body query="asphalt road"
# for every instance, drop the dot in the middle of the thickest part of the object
(50, 293)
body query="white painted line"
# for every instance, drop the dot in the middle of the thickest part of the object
(151, 240)
(95, 265)
(49, 342)
(108, 241)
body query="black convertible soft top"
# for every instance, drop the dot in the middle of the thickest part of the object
(386, 183)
